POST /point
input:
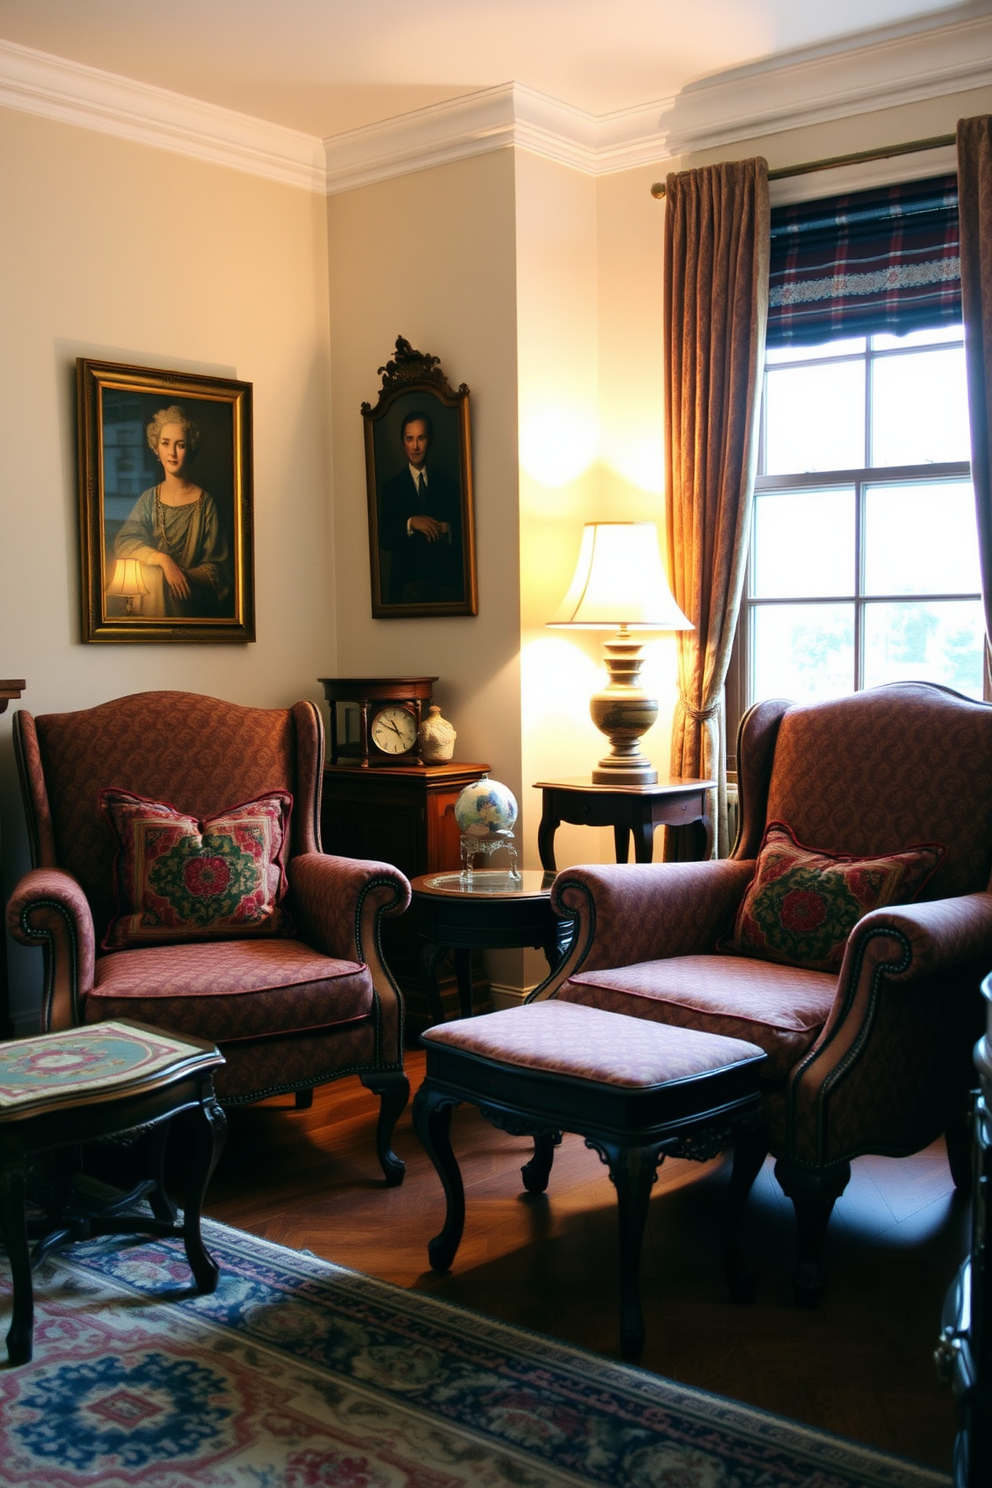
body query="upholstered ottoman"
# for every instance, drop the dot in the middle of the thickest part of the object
(635, 1090)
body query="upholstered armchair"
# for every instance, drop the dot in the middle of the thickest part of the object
(867, 1005)
(178, 880)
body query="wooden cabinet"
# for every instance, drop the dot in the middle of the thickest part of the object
(404, 815)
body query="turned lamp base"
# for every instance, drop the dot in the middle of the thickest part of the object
(623, 711)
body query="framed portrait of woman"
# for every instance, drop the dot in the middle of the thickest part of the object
(418, 466)
(165, 505)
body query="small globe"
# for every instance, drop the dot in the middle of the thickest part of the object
(485, 809)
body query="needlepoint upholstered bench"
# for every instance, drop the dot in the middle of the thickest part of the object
(636, 1091)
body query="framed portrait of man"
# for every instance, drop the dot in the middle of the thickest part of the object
(419, 477)
(165, 505)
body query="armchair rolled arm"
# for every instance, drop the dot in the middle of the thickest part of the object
(900, 1032)
(340, 902)
(630, 912)
(935, 936)
(48, 908)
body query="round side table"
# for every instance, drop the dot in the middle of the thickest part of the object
(495, 910)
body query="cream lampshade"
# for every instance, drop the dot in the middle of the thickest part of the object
(127, 582)
(620, 585)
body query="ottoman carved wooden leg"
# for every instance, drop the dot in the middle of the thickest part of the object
(635, 1090)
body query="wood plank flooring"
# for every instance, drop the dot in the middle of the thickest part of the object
(860, 1364)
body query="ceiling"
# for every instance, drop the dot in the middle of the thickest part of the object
(325, 66)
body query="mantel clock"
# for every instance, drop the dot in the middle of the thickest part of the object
(378, 718)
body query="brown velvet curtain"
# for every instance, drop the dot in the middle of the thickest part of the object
(975, 217)
(716, 305)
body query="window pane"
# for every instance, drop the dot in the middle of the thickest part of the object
(814, 418)
(776, 354)
(921, 539)
(920, 408)
(931, 642)
(803, 543)
(935, 337)
(803, 651)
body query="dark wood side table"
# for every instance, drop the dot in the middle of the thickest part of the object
(404, 815)
(629, 809)
(83, 1085)
(493, 911)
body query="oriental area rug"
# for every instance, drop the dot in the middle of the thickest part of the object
(297, 1372)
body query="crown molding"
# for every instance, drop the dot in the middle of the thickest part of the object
(493, 119)
(39, 83)
(897, 66)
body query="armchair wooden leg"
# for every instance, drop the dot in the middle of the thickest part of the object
(750, 1151)
(813, 1197)
(304, 1099)
(393, 1091)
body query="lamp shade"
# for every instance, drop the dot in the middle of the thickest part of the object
(127, 578)
(619, 582)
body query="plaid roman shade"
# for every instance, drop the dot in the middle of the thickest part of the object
(879, 260)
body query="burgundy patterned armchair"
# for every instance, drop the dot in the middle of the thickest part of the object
(250, 937)
(868, 1032)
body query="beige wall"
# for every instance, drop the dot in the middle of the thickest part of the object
(430, 256)
(539, 287)
(116, 251)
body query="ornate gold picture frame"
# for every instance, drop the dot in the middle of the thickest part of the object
(418, 462)
(165, 505)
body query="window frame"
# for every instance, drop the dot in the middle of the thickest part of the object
(737, 687)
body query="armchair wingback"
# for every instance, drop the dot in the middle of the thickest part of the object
(873, 1054)
(289, 1010)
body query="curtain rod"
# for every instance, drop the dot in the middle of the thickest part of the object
(911, 147)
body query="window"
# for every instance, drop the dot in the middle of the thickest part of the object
(863, 562)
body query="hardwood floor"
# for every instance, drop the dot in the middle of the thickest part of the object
(860, 1364)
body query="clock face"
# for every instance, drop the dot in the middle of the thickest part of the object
(394, 730)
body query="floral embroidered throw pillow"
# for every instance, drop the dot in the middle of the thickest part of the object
(180, 879)
(802, 903)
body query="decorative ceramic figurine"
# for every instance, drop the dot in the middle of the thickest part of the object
(436, 738)
(485, 813)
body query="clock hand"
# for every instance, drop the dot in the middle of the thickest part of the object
(392, 725)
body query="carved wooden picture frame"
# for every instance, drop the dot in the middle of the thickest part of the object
(418, 464)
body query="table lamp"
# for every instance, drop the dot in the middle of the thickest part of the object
(620, 585)
(127, 582)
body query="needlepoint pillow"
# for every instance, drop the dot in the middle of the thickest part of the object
(180, 879)
(803, 903)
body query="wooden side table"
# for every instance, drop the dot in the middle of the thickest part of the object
(629, 809)
(404, 815)
(494, 911)
(82, 1085)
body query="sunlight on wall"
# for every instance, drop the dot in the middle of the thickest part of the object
(638, 459)
(558, 444)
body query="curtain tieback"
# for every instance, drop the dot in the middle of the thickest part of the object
(698, 715)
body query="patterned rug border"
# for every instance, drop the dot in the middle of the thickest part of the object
(593, 1381)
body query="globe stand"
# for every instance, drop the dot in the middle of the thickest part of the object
(472, 844)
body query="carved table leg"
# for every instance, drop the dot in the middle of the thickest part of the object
(162, 1206)
(211, 1129)
(633, 1171)
(643, 834)
(750, 1151)
(13, 1226)
(432, 1123)
(537, 1172)
(546, 840)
